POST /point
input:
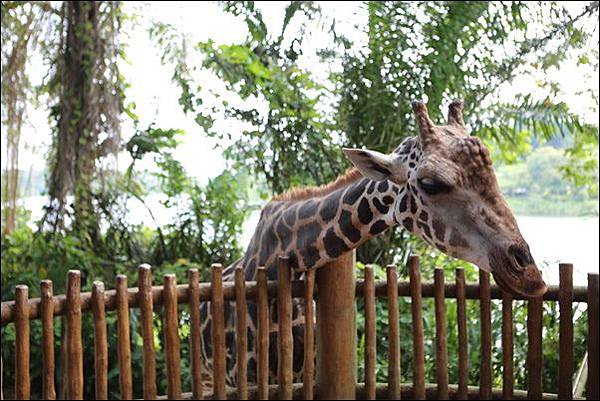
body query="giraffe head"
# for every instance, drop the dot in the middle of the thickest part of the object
(449, 196)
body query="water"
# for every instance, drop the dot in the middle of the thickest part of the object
(552, 240)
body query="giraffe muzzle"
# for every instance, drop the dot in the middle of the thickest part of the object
(515, 271)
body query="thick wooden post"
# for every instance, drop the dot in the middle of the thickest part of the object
(74, 362)
(22, 382)
(336, 329)
(47, 318)
(124, 347)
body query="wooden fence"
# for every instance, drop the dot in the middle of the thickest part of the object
(335, 293)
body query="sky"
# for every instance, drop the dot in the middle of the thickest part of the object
(156, 98)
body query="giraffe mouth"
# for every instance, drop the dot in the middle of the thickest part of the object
(524, 287)
(517, 276)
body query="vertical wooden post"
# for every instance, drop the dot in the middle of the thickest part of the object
(262, 341)
(463, 341)
(441, 349)
(416, 305)
(241, 334)
(592, 377)
(370, 334)
(285, 343)
(565, 336)
(394, 391)
(73, 337)
(195, 333)
(485, 373)
(171, 329)
(534, 348)
(100, 341)
(124, 348)
(147, 326)
(507, 347)
(336, 329)
(309, 335)
(47, 317)
(217, 307)
(22, 384)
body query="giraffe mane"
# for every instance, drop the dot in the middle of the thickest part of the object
(350, 175)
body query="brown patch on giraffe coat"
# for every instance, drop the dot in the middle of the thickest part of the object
(307, 234)
(371, 187)
(408, 223)
(403, 203)
(334, 245)
(284, 234)
(378, 227)
(383, 186)
(424, 228)
(413, 205)
(457, 240)
(439, 229)
(330, 206)
(310, 256)
(293, 256)
(307, 209)
(289, 215)
(353, 194)
(382, 207)
(269, 244)
(347, 228)
(365, 215)
(306, 238)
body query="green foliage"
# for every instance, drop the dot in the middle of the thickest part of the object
(209, 218)
(535, 186)
(581, 167)
(212, 219)
(286, 140)
(437, 51)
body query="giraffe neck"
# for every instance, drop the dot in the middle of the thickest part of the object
(316, 230)
(313, 232)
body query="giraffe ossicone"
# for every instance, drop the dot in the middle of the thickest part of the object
(439, 185)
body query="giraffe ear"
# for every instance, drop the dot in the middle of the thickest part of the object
(373, 165)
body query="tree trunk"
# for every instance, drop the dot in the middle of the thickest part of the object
(88, 107)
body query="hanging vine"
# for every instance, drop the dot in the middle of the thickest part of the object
(88, 92)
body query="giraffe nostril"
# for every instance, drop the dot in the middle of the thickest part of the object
(521, 256)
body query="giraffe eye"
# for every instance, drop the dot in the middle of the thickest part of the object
(433, 187)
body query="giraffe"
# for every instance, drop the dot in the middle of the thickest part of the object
(438, 185)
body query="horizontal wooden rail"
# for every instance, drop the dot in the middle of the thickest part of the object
(381, 392)
(427, 291)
